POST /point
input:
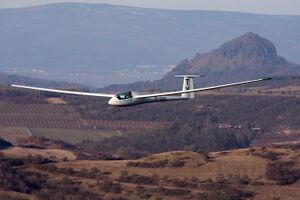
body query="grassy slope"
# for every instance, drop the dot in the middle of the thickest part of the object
(230, 163)
(235, 162)
(15, 196)
(243, 162)
(19, 152)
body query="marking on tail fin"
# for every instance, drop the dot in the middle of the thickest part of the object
(187, 86)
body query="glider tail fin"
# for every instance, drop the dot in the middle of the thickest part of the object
(188, 84)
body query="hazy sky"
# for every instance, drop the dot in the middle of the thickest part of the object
(291, 7)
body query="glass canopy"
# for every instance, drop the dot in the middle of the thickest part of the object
(124, 95)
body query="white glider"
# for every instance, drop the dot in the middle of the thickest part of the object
(133, 98)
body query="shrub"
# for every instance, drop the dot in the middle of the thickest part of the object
(109, 186)
(137, 179)
(177, 163)
(283, 172)
(18, 180)
(65, 189)
(158, 164)
(173, 192)
(271, 155)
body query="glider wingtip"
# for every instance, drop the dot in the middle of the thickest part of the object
(268, 78)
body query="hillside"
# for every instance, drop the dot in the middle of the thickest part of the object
(211, 122)
(100, 44)
(258, 174)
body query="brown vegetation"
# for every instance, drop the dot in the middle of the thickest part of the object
(238, 174)
(283, 172)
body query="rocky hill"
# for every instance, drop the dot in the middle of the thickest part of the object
(249, 56)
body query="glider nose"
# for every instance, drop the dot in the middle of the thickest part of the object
(112, 101)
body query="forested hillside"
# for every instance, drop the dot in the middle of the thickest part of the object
(196, 124)
(210, 122)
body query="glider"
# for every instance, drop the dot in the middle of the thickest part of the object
(130, 98)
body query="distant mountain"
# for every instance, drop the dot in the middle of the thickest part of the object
(247, 57)
(104, 44)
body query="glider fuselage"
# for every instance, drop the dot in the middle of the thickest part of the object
(131, 101)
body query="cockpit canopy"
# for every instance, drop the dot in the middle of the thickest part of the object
(124, 95)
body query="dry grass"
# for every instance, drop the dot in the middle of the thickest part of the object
(242, 163)
(232, 163)
(56, 101)
(15, 195)
(268, 192)
(19, 152)
(13, 134)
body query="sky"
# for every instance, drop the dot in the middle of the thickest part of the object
(281, 7)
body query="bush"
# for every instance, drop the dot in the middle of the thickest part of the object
(173, 192)
(182, 183)
(158, 164)
(283, 172)
(177, 163)
(137, 179)
(109, 186)
(273, 155)
(225, 194)
(18, 180)
(65, 189)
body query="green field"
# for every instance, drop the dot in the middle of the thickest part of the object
(73, 135)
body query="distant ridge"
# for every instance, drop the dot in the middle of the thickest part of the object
(8, 79)
(249, 56)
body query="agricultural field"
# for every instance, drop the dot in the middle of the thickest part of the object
(126, 124)
(73, 136)
(13, 134)
(38, 116)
